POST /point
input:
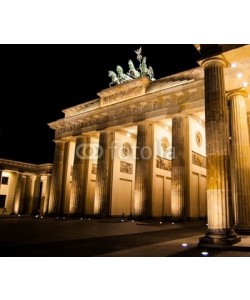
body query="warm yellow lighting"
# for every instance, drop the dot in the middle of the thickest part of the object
(233, 65)
(184, 245)
(239, 75)
(128, 134)
(245, 84)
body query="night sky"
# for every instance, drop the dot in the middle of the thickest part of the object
(39, 81)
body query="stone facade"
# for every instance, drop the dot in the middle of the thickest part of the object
(150, 155)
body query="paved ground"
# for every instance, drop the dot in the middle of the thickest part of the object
(49, 237)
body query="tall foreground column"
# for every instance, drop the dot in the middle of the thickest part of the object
(248, 124)
(57, 179)
(220, 227)
(142, 200)
(103, 176)
(79, 182)
(240, 159)
(178, 168)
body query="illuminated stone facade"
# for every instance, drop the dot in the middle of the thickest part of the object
(141, 148)
(24, 188)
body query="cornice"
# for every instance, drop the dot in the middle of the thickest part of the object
(164, 102)
(25, 167)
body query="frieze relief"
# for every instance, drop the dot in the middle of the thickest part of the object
(126, 167)
(199, 160)
(163, 163)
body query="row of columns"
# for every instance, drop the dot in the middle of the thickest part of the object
(26, 193)
(228, 158)
(143, 173)
(29, 196)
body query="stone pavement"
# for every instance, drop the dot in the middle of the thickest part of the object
(27, 236)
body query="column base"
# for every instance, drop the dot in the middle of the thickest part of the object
(242, 230)
(178, 219)
(219, 237)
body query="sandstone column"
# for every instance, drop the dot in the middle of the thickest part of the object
(1, 172)
(46, 179)
(79, 176)
(142, 199)
(240, 159)
(248, 125)
(31, 193)
(178, 168)
(103, 176)
(219, 200)
(23, 194)
(57, 179)
(19, 193)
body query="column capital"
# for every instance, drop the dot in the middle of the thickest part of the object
(218, 60)
(146, 123)
(237, 92)
(60, 141)
(179, 115)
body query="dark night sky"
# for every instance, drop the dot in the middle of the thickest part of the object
(38, 81)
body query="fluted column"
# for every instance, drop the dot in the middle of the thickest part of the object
(248, 125)
(178, 168)
(240, 159)
(142, 199)
(103, 177)
(22, 194)
(1, 172)
(79, 178)
(31, 193)
(19, 193)
(46, 179)
(219, 200)
(57, 179)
